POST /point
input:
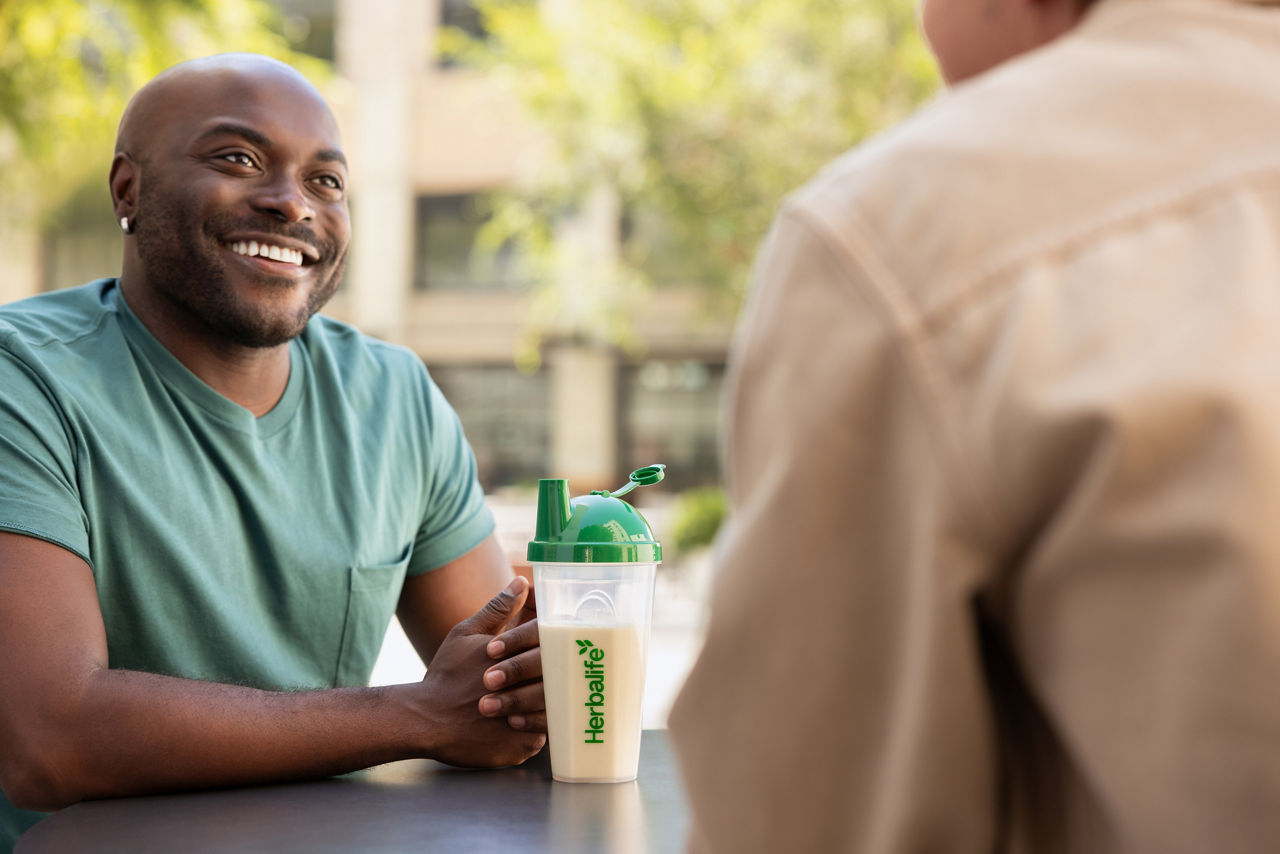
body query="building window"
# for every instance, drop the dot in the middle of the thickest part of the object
(505, 414)
(82, 240)
(671, 414)
(444, 247)
(459, 15)
(73, 256)
(463, 15)
(308, 26)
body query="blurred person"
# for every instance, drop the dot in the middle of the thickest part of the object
(212, 499)
(1002, 572)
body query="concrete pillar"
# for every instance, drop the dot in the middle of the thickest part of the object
(582, 359)
(583, 363)
(584, 414)
(383, 48)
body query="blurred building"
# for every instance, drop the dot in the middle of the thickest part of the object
(427, 140)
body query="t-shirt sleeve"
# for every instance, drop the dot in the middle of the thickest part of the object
(39, 495)
(456, 518)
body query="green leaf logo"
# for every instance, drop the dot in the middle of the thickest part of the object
(583, 646)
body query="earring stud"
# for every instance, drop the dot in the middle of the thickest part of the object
(124, 225)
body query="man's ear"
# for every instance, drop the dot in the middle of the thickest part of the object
(123, 181)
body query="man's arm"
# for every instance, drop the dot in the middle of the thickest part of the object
(433, 602)
(72, 729)
(841, 646)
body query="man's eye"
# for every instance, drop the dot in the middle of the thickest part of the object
(330, 181)
(239, 158)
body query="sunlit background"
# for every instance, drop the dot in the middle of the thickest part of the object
(556, 204)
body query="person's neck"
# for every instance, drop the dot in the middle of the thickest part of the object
(252, 377)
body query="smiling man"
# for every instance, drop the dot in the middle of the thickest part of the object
(212, 500)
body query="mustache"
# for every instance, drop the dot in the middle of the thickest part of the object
(300, 232)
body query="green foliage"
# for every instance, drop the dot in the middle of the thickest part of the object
(697, 516)
(700, 115)
(68, 67)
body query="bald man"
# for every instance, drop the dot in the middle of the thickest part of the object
(212, 500)
(1001, 573)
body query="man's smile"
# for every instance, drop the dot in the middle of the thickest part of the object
(295, 255)
(252, 248)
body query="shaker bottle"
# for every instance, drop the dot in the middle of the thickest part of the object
(593, 560)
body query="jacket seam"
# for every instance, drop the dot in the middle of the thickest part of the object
(986, 281)
(906, 321)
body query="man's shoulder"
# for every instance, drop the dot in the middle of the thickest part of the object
(357, 355)
(58, 317)
(931, 197)
(924, 199)
(1130, 111)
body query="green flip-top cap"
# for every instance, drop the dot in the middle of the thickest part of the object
(595, 528)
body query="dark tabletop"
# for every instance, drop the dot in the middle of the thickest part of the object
(416, 805)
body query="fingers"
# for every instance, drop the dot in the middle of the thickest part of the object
(498, 610)
(525, 667)
(526, 614)
(531, 722)
(524, 700)
(516, 640)
(530, 609)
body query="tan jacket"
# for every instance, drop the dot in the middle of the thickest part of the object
(1003, 572)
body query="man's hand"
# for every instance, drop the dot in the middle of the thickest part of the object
(520, 673)
(470, 726)
(73, 729)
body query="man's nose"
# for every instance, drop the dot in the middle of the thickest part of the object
(284, 199)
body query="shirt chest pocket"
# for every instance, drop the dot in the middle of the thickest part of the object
(372, 595)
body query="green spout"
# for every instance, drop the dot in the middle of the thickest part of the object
(595, 528)
(553, 508)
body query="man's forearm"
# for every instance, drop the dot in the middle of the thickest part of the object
(78, 730)
(132, 733)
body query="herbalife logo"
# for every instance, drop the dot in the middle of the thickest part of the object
(593, 672)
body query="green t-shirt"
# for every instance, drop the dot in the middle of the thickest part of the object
(263, 551)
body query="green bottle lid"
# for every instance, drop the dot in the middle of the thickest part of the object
(595, 528)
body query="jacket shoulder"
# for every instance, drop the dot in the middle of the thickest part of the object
(1122, 118)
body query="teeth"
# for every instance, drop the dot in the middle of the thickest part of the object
(275, 253)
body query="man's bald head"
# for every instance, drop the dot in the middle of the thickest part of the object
(174, 91)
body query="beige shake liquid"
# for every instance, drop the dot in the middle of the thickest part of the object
(594, 681)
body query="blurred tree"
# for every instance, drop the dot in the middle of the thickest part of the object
(696, 517)
(67, 68)
(695, 116)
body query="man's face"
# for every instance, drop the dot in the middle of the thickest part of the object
(242, 218)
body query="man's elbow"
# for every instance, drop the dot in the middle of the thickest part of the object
(33, 783)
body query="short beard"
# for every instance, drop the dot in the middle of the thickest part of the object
(186, 269)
